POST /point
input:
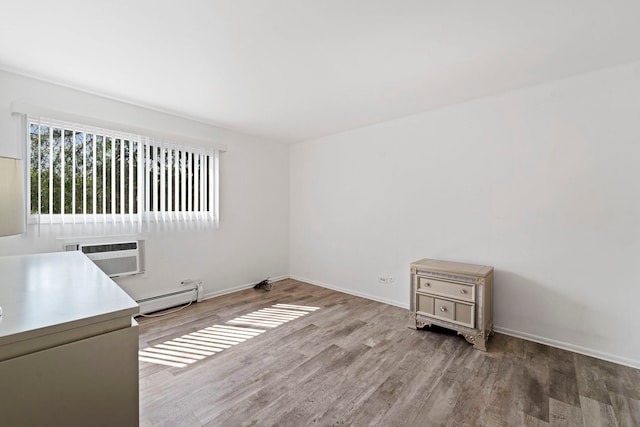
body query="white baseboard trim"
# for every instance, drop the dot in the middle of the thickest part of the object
(570, 347)
(233, 289)
(350, 292)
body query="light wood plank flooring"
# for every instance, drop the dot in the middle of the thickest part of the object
(268, 358)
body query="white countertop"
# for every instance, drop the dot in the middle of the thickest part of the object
(49, 293)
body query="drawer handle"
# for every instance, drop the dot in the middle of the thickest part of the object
(443, 309)
(427, 284)
(462, 291)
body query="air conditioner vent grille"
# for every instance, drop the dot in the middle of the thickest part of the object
(109, 247)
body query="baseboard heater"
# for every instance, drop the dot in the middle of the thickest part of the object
(171, 299)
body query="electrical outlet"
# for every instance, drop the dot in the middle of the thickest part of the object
(382, 280)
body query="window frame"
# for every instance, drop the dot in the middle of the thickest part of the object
(144, 188)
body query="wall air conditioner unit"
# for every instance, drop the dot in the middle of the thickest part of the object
(114, 258)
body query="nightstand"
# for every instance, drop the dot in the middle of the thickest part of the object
(455, 296)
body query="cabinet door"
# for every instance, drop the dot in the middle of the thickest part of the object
(91, 382)
(425, 304)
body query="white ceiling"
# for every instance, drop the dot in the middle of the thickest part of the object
(292, 70)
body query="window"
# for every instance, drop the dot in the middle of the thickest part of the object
(84, 174)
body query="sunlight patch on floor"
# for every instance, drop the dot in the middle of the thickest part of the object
(273, 316)
(192, 347)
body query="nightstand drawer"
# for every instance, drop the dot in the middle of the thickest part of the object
(445, 309)
(453, 311)
(448, 289)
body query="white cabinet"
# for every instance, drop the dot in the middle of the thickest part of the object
(68, 344)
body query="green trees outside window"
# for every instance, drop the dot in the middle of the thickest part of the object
(82, 172)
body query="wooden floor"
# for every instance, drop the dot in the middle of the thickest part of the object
(353, 361)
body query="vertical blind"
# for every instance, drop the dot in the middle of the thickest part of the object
(86, 174)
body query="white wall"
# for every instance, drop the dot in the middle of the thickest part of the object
(543, 183)
(252, 241)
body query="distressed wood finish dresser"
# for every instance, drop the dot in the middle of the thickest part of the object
(455, 296)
